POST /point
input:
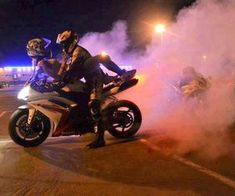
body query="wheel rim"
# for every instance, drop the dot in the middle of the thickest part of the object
(123, 119)
(32, 132)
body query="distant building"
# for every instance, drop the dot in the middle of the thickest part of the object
(15, 75)
(19, 75)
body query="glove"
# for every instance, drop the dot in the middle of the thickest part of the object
(57, 85)
(51, 86)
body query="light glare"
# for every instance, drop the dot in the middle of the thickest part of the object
(104, 54)
(24, 93)
(160, 28)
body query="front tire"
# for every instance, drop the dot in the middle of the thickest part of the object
(123, 119)
(28, 136)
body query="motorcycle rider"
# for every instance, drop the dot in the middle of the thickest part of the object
(37, 49)
(69, 41)
(82, 64)
(76, 64)
(192, 83)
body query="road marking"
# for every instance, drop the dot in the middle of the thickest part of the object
(5, 141)
(1, 115)
(227, 181)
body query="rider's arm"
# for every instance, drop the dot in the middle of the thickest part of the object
(63, 66)
(50, 67)
(43, 65)
(76, 58)
(73, 68)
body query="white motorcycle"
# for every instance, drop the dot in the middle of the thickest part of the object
(48, 112)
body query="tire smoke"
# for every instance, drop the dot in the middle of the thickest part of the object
(202, 37)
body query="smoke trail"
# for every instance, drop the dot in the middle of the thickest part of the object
(202, 37)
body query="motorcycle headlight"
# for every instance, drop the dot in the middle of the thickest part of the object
(24, 93)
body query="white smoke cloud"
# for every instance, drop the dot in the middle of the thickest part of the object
(202, 37)
(114, 42)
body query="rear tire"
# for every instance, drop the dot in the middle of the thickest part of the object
(25, 136)
(123, 119)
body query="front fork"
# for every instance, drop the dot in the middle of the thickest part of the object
(31, 115)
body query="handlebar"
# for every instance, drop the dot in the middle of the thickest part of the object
(43, 87)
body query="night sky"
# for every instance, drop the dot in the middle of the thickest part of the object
(21, 20)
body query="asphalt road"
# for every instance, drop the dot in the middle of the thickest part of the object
(141, 166)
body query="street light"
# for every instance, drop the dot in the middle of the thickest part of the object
(160, 28)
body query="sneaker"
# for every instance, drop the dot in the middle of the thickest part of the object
(127, 75)
(98, 142)
(108, 79)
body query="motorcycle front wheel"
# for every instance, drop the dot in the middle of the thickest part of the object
(28, 135)
(123, 119)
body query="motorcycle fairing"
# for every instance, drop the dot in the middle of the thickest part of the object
(118, 87)
(53, 111)
(77, 86)
(57, 108)
(34, 95)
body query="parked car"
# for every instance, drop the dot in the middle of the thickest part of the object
(4, 84)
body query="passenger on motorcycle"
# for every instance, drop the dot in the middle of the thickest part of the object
(38, 50)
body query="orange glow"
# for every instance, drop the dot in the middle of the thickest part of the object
(104, 54)
(141, 78)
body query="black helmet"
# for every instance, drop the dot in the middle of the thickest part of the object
(37, 47)
(68, 39)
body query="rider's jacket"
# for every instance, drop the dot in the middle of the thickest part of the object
(76, 61)
(78, 57)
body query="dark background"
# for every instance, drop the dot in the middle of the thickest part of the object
(21, 20)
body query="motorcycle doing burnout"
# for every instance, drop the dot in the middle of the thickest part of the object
(31, 124)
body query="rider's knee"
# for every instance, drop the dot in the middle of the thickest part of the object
(53, 62)
(102, 58)
(42, 63)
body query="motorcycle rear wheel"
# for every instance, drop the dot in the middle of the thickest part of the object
(123, 119)
(28, 136)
